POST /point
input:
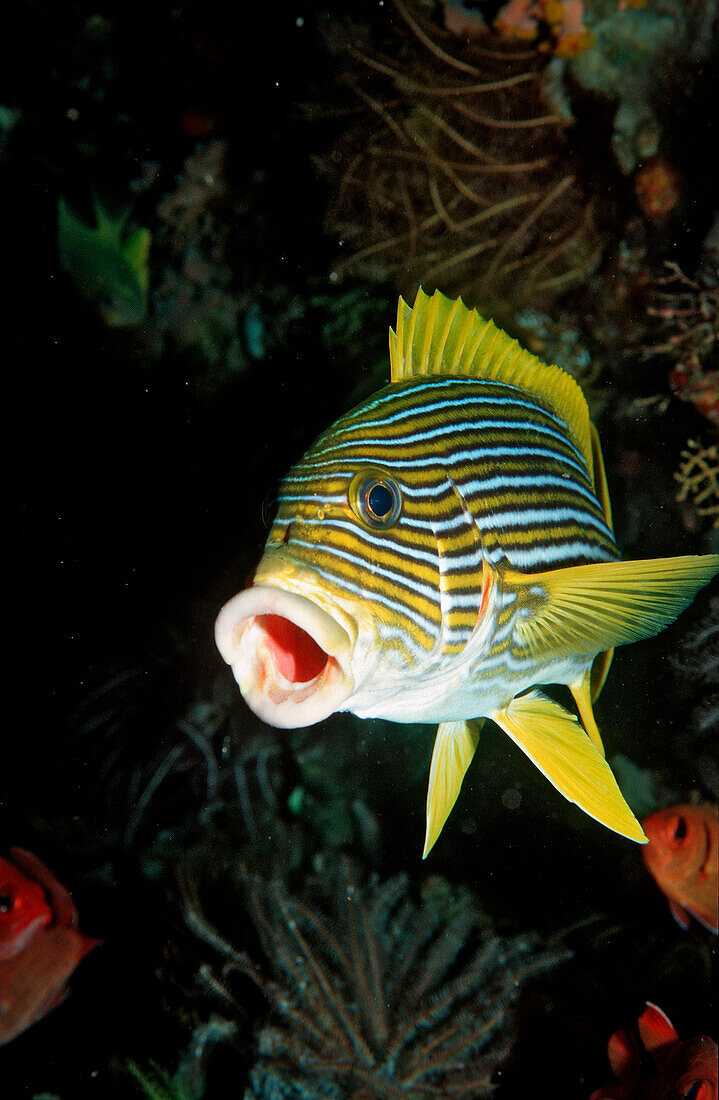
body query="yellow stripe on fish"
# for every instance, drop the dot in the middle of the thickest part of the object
(443, 548)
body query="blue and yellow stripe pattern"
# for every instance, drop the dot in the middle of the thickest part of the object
(445, 547)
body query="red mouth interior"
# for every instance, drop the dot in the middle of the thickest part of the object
(295, 653)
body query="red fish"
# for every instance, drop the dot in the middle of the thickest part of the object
(24, 909)
(683, 858)
(675, 1069)
(40, 944)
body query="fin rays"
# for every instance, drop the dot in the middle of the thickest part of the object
(442, 336)
(554, 740)
(587, 609)
(454, 748)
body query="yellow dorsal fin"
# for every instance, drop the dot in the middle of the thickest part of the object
(441, 335)
(586, 609)
(553, 739)
(600, 668)
(453, 750)
(599, 476)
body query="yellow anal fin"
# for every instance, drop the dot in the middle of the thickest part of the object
(454, 748)
(600, 670)
(553, 739)
(581, 689)
(586, 609)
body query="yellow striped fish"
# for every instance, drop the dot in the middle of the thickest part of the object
(442, 549)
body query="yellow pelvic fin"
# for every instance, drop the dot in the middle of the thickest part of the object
(553, 739)
(453, 751)
(441, 335)
(586, 609)
(581, 689)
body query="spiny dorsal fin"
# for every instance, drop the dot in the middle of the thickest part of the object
(441, 335)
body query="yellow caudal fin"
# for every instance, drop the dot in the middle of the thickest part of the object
(554, 740)
(587, 609)
(581, 689)
(454, 748)
(440, 335)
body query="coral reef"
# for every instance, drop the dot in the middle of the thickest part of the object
(698, 477)
(164, 776)
(375, 996)
(455, 172)
(698, 659)
(658, 189)
(687, 315)
(560, 23)
(639, 57)
(196, 304)
(462, 156)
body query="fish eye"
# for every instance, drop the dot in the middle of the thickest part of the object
(7, 902)
(694, 1092)
(375, 498)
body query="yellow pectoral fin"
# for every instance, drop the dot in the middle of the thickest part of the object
(454, 748)
(591, 608)
(554, 740)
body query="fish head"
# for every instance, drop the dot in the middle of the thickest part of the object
(121, 302)
(677, 845)
(351, 605)
(689, 1071)
(108, 264)
(24, 910)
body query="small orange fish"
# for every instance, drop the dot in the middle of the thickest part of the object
(676, 1068)
(40, 944)
(24, 909)
(683, 859)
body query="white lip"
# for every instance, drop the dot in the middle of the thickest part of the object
(260, 662)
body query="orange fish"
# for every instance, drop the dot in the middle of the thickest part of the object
(24, 909)
(675, 1069)
(682, 856)
(40, 944)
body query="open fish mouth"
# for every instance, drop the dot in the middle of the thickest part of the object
(290, 657)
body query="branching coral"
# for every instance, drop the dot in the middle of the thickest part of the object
(455, 172)
(698, 477)
(696, 663)
(562, 21)
(687, 311)
(380, 997)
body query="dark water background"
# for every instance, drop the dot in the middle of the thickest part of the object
(135, 482)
